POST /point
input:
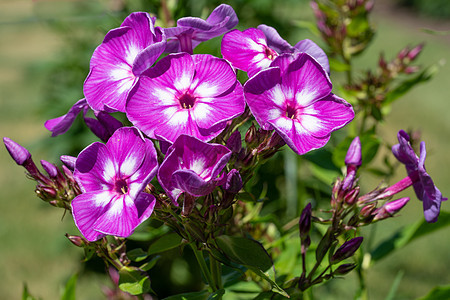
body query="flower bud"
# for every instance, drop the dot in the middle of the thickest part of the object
(77, 240)
(17, 152)
(346, 250)
(234, 142)
(251, 135)
(415, 52)
(305, 222)
(344, 269)
(350, 197)
(390, 208)
(50, 168)
(68, 161)
(233, 182)
(353, 156)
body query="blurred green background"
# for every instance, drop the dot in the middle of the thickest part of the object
(45, 47)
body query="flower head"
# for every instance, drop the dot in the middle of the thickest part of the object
(297, 103)
(184, 94)
(112, 177)
(124, 54)
(193, 167)
(423, 185)
(190, 31)
(255, 49)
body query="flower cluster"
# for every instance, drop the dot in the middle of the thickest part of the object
(185, 100)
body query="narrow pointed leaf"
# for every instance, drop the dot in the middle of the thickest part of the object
(166, 242)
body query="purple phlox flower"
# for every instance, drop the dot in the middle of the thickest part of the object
(61, 124)
(297, 103)
(255, 49)
(423, 185)
(104, 126)
(184, 94)
(192, 167)
(125, 53)
(191, 31)
(112, 177)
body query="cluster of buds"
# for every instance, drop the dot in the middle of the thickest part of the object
(58, 187)
(372, 90)
(344, 24)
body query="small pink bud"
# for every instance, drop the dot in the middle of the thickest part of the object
(415, 51)
(390, 208)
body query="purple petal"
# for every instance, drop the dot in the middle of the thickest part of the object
(145, 203)
(127, 148)
(191, 183)
(87, 208)
(214, 76)
(308, 80)
(148, 56)
(263, 93)
(246, 50)
(119, 219)
(274, 40)
(95, 169)
(403, 151)
(326, 115)
(315, 51)
(61, 124)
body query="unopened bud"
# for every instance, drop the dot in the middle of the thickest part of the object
(234, 142)
(68, 161)
(344, 269)
(354, 156)
(17, 152)
(350, 197)
(390, 208)
(415, 51)
(305, 222)
(346, 250)
(367, 211)
(77, 240)
(411, 69)
(250, 135)
(50, 168)
(233, 182)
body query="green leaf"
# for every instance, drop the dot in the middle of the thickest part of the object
(149, 265)
(133, 281)
(166, 242)
(244, 251)
(438, 293)
(369, 148)
(137, 255)
(202, 295)
(69, 289)
(275, 287)
(395, 285)
(404, 236)
(216, 295)
(406, 85)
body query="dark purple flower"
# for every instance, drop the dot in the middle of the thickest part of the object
(184, 94)
(104, 126)
(124, 54)
(423, 185)
(61, 124)
(112, 178)
(297, 103)
(190, 31)
(255, 49)
(193, 167)
(233, 182)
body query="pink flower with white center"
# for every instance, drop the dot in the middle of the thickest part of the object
(112, 178)
(183, 94)
(297, 102)
(116, 64)
(255, 49)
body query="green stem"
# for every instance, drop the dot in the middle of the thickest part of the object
(203, 267)
(216, 270)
